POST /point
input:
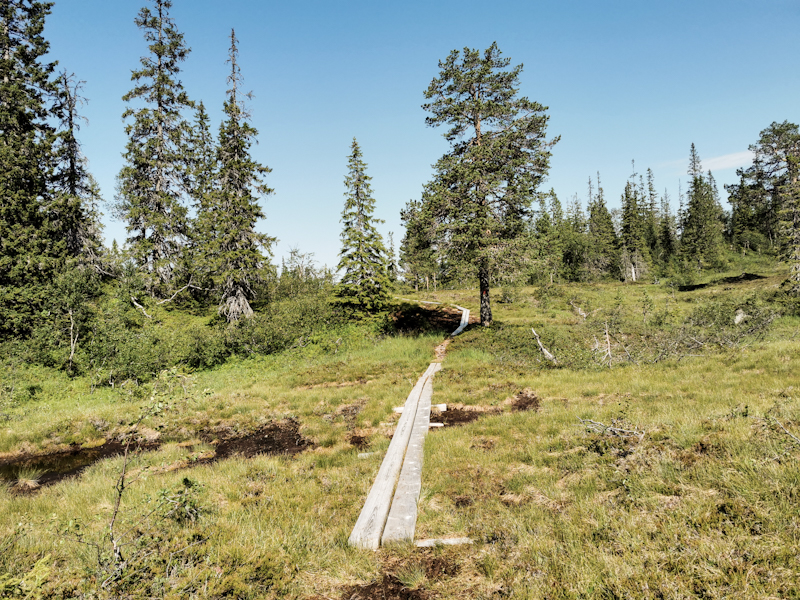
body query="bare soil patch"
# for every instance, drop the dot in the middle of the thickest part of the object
(387, 588)
(525, 400)
(28, 472)
(455, 415)
(358, 440)
(282, 437)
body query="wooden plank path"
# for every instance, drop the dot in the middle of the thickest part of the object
(370, 525)
(390, 511)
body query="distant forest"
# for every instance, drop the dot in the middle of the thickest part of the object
(190, 201)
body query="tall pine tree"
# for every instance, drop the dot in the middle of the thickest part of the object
(365, 282)
(483, 188)
(231, 248)
(152, 184)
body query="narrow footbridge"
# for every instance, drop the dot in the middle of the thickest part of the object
(390, 511)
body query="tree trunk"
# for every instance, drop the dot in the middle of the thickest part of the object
(483, 279)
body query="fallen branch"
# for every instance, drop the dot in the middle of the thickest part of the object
(786, 431)
(547, 354)
(579, 310)
(603, 429)
(140, 307)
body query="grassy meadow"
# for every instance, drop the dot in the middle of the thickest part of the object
(659, 460)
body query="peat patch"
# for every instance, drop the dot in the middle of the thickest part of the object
(388, 588)
(359, 441)
(525, 400)
(28, 472)
(282, 437)
(460, 416)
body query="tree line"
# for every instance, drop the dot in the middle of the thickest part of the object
(189, 198)
(484, 216)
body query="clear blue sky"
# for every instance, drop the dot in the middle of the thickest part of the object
(623, 80)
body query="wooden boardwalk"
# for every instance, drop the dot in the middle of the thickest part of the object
(390, 511)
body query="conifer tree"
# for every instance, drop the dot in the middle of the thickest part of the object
(483, 188)
(391, 264)
(759, 199)
(77, 194)
(573, 235)
(417, 249)
(651, 217)
(667, 238)
(603, 253)
(701, 239)
(231, 246)
(548, 229)
(152, 184)
(29, 252)
(635, 254)
(203, 168)
(364, 283)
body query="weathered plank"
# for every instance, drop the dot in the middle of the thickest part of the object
(402, 520)
(443, 542)
(464, 320)
(369, 526)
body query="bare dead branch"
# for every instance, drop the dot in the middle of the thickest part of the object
(603, 429)
(547, 354)
(140, 307)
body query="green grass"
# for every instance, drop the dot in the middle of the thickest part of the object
(703, 505)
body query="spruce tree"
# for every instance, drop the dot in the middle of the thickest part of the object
(391, 264)
(365, 282)
(203, 173)
(635, 254)
(152, 184)
(701, 238)
(77, 194)
(29, 252)
(483, 188)
(603, 253)
(667, 238)
(417, 249)
(231, 246)
(548, 230)
(203, 168)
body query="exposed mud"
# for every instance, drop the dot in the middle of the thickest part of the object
(29, 472)
(441, 350)
(359, 441)
(388, 588)
(435, 565)
(525, 400)
(282, 437)
(461, 416)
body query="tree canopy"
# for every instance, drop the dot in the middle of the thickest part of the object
(483, 187)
